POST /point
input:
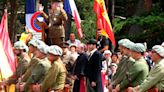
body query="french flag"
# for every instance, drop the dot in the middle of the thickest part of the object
(70, 8)
(29, 10)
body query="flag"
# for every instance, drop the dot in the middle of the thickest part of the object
(29, 10)
(103, 21)
(7, 59)
(70, 8)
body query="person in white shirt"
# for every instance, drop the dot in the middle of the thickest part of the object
(73, 40)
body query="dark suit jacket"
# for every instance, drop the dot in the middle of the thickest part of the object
(80, 64)
(93, 70)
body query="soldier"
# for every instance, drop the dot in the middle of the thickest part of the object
(55, 78)
(32, 47)
(155, 80)
(40, 70)
(139, 70)
(162, 44)
(33, 44)
(125, 63)
(23, 61)
(57, 17)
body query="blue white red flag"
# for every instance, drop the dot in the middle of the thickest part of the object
(29, 10)
(70, 8)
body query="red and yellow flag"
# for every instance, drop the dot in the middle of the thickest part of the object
(103, 21)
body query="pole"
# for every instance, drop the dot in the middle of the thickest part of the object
(1, 78)
(113, 9)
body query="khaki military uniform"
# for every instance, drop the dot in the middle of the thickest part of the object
(21, 68)
(123, 67)
(56, 26)
(135, 75)
(55, 78)
(38, 73)
(154, 79)
(33, 63)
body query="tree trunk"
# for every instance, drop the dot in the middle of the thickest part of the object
(109, 6)
(113, 8)
(143, 7)
(13, 17)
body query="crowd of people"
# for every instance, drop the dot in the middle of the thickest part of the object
(77, 67)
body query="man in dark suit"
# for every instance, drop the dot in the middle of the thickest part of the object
(93, 68)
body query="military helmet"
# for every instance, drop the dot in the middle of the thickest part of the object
(43, 48)
(55, 50)
(20, 45)
(159, 49)
(33, 43)
(138, 47)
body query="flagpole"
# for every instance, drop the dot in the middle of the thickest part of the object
(4, 87)
(96, 31)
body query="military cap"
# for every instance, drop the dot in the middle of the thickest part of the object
(159, 49)
(138, 47)
(19, 45)
(43, 48)
(55, 50)
(92, 41)
(129, 44)
(107, 52)
(33, 43)
(126, 43)
(120, 42)
(39, 42)
(162, 44)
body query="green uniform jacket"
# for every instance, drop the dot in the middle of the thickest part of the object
(38, 73)
(33, 63)
(21, 68)
(55, 78)
(155, 78)
(135, 75)
(125, 64)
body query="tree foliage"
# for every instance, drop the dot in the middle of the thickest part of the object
(151, 23)
(147, 15)
(88, 17)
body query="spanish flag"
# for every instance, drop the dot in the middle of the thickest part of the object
(103, 21)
